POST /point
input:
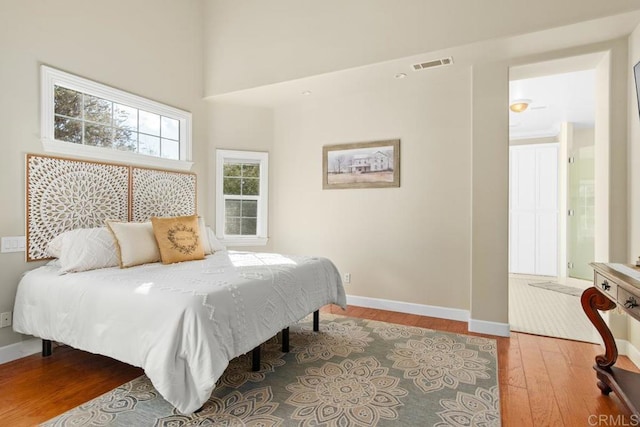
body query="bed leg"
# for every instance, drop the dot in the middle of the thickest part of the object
(255, 359)
(316, 321)
(285, 340)
(46, 348)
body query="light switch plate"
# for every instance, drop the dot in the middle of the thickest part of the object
(13, 244)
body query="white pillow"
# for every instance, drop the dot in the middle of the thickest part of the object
(210, 242)
(203, 236)
(85, 249)
(135, 242)
(54, 247)
(214, 243)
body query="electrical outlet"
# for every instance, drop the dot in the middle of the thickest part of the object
(5, 319)
(347, 277)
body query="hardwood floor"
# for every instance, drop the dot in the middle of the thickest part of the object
(543, 381)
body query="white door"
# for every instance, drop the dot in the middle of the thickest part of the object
(533, 209)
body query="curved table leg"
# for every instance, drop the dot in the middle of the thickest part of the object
(593, 300)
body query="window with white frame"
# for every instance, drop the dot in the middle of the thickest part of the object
(82, 117)
(241, 197)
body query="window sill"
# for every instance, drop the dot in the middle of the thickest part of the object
(246, 241)
(108, 155)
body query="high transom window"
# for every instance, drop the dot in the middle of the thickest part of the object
(84, 117)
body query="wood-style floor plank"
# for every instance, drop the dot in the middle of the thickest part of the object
(573, 411)
(514, 406)
(543, 381)
(35, 389)
(544, 407)
(510, 369)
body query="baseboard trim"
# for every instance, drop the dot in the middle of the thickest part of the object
(479, 326)
(409, 308)
(625, 348)
(20, 349)
(490, 328)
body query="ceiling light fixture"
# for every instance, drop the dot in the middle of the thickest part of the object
(400, 76)
(519, 105)
(306, 92)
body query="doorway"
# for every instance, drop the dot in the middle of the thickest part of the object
(552, 197)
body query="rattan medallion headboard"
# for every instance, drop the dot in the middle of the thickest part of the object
(65, 194)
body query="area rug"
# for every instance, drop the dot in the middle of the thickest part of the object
(354, 372)
(556, 287)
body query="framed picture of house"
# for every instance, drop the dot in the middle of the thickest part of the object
(361, 165)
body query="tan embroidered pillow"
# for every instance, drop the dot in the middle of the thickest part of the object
(135, 242)
(178, 238)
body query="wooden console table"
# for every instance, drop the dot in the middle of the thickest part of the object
(613, 288)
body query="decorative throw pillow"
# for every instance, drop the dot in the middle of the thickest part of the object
(84, 249)
(135, 242)
(178, 238)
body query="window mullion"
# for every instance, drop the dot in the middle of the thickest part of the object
(82, 128)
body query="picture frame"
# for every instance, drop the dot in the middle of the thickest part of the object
(373, 164)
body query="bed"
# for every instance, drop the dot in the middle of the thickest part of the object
(183, 322)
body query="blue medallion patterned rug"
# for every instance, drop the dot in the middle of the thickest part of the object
(354, 372)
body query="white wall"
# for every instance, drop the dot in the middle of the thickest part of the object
(351, 226)
(490, 198)
(583, 137)
(251, 43)
(634, 149)
(618, 157)
(245, 128)
(530, 141)
(148, 47)
(409, 244)
(602, 158)
(634, 170)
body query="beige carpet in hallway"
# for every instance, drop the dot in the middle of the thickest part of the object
(546, 312)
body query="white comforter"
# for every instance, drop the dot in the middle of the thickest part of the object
(181, 323)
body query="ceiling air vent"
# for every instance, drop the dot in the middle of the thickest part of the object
(432, 64)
